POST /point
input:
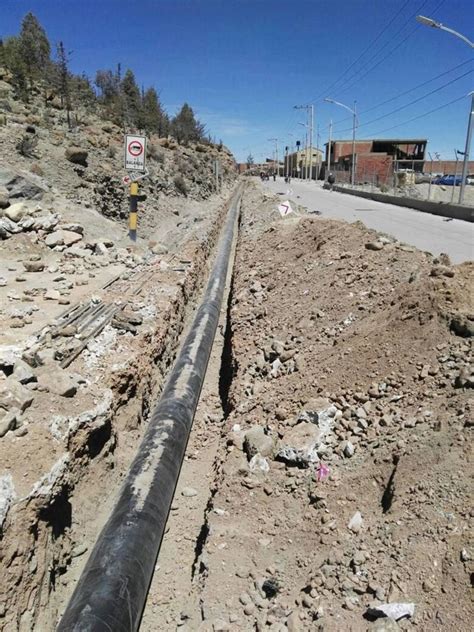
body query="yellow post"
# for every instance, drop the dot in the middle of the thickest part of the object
(132, 221)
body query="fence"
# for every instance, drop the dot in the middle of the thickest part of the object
(404, 179)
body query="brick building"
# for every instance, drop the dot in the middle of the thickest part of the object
(377, 159)
(447, 167)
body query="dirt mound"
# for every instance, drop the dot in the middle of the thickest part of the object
(345, 356)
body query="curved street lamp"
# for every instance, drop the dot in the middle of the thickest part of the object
(354, 124)
(437, 25)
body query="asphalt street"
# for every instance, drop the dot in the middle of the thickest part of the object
(425, 231)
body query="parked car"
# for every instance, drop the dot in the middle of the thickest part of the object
(470, 179)
(449, 180)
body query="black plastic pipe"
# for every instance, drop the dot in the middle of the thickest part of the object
(112, 590)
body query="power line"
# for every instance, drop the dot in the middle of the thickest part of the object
(366, 49)
(415, 118)
(356, 79)
(403, 107)
(402, 94)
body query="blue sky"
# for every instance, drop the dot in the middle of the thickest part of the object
(243, 64)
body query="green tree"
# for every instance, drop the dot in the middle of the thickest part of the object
(110, 95)
(12, 59)
(132, 101)
(83, 92)
(34, 49)
(108, 85)
(154, 117)
(64, 81)
(185, 127)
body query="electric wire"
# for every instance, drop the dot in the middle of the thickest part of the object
(402, 94)
(356, 79)
(367, 48)
(403, 107)
(364, 64)
(415, 118)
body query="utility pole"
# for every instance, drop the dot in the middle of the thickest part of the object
(467, 150)
(309, 125)
(328, 157)
(311, 142)
(275, 140)
(455, 173)
(431, 175)
(354, 125)
(354, 158)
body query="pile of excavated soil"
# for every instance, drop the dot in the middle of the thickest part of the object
(344, 477)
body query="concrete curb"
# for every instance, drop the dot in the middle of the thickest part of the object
(456, 211)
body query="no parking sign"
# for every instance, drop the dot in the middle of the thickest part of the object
(135, 151)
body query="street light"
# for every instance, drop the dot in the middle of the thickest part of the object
(354, 123)
(437, 25)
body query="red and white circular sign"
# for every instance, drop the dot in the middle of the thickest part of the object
(135, 148)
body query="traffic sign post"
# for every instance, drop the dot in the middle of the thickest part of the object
(135, 158)
(135, 152)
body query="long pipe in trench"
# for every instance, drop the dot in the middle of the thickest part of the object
(112, 590)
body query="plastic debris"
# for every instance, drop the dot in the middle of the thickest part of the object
(258, 462)
(355, 523)
(322, 472)
(394, 611)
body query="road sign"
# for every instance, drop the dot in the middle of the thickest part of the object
(135, 150)
(135, 177)
(285, 208)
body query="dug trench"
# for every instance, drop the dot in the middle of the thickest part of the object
(333, 476)
(48, 531)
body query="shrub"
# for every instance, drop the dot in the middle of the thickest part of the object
(154, 154)
(36, 169)
(26, 145)
(180, 185)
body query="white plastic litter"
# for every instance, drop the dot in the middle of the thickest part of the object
(395, 611)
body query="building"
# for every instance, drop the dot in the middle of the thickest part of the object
(297, 164)
(376, 160)
(448, 167)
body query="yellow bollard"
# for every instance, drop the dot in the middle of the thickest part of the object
(132, 220)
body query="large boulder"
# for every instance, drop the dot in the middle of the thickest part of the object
(256, 441)
(17, 211)
(58, 382)
(77, 155)
(46, 222)
(14, 395)
(4, 203)
(8, 228)
(62, 238)
(5, 90)
(299, 445)
(22, 184)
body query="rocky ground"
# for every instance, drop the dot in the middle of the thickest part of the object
(328, 475)
(334, 476)
(89, 323)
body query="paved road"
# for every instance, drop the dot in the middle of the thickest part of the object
(426, 232)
